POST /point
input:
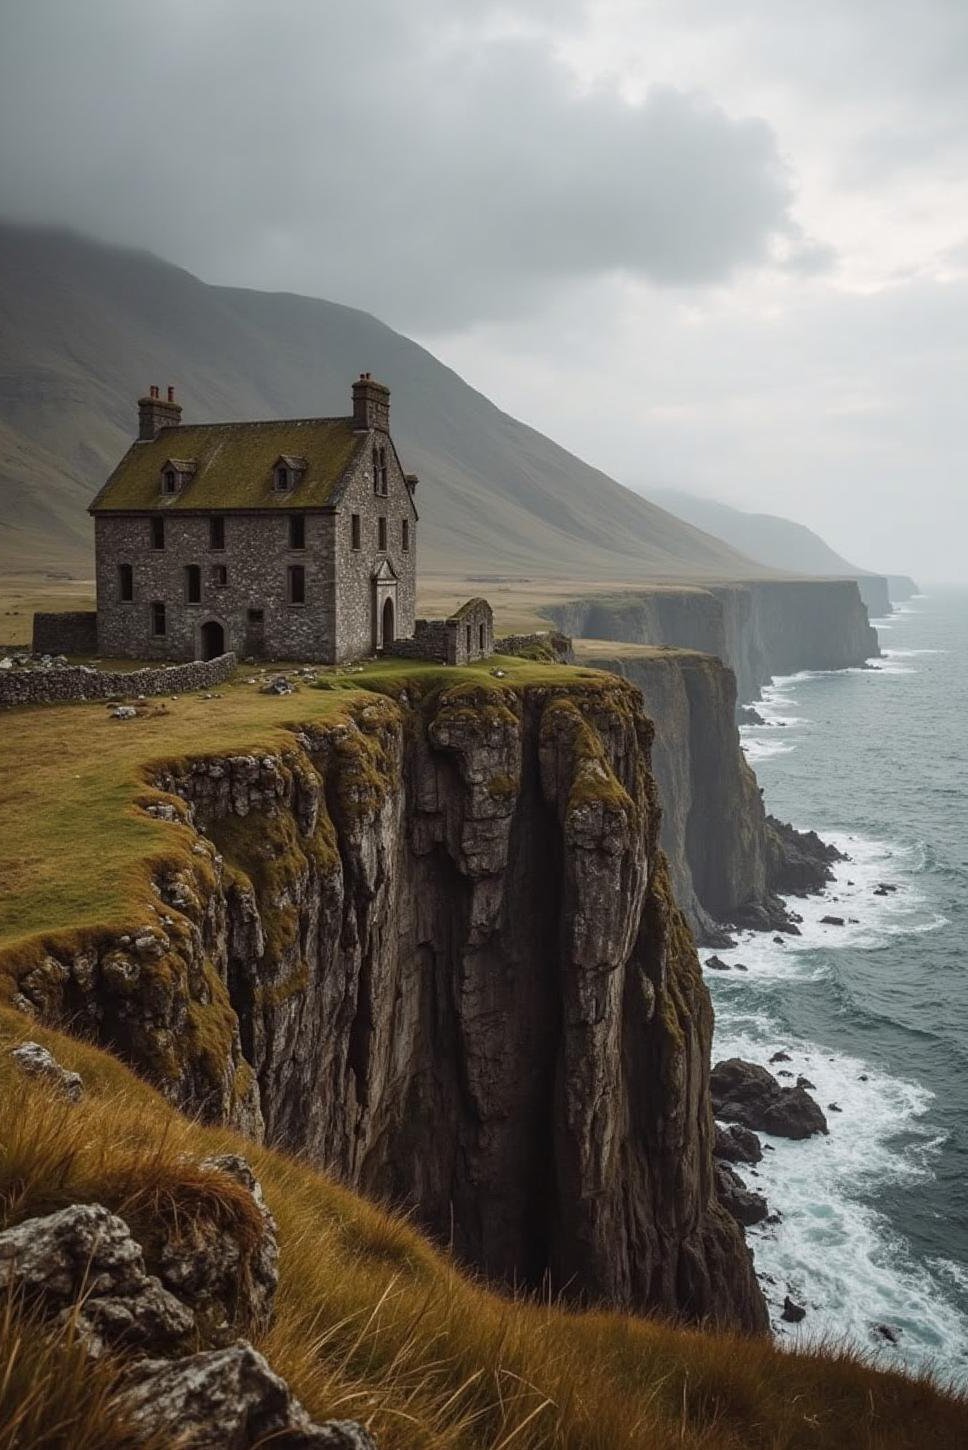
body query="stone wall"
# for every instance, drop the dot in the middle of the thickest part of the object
(546, 643)
(430, 642)
(256, 557)
(80, 682)
(471, 633)
(358, 624)
(73, 633)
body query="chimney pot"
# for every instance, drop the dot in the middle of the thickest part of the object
(171, 393)
(153, 390)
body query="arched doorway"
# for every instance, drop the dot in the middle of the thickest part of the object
(387, 634)
(213, 639)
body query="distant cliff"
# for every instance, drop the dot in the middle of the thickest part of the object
(433, 944)
(728, 859)
(760, 629)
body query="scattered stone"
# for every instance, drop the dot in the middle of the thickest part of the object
(863, 1077)
(886, 888)
(781, 1057)
(736, 1144)
(6, 663)
(780, 941)
(831, 921)
(124, 712)
(784, 1072)
(230, 1397)
(36, 1061)
(833, 1108)
(740, 967)
(740, 1202)
(745, 1093)
(792, 1312)
(278, 686)
(805, 1082)
(83, 1262)
(885, 1331)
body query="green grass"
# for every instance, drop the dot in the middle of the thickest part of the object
(79, 852)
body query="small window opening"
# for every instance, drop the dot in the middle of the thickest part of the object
(381, 535)
(126, 583)
(256, 616)
(158, 622)
(193, 583)
(157, 533)
(170, 480)
(380, 471)
(297, 584)
(405, 535)
(220, 576)
(297, 531)
(355, 531)
(480, 638)
(468, 639)
(282, 478)
(216, 532)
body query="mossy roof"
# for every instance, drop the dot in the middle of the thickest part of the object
(234, 466)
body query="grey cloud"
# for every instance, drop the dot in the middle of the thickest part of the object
(419, 160)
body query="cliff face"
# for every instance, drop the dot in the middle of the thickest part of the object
(760, 629)
(727, 857)
(434, 946)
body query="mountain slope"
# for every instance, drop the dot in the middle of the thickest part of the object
(776, 542)
(85, 327)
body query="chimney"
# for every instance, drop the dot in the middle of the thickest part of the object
(371, 405)
(156, 412)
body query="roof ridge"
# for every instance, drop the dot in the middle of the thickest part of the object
(252, 423)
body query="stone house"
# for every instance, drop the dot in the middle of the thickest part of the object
(284, 540)
(464, 637)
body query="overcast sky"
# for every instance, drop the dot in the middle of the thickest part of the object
(720, 245)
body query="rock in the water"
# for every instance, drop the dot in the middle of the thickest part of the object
(229, 1399)
(798, 862)
(746, 715)
(744, 1092)
(781, 1057)
(740, 1202)
(792, 1312)
(833, 1108)
(717, 964)
(84, 1255)
(36, 1061)
(831, 921)
(886, 1332)
(736, 1144)
(805, 1082)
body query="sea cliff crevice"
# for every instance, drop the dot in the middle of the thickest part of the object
(433, 945)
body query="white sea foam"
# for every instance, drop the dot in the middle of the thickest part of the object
(832, 1250)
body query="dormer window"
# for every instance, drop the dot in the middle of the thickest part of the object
(175, 473)
(287, 472)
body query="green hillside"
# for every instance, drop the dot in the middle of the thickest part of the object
(86, 327)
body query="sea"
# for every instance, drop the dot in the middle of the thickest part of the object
(872, 1237)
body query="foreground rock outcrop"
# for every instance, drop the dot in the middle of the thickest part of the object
(433, 944)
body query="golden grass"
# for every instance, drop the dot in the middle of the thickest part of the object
(22, 594)
(374, 1324)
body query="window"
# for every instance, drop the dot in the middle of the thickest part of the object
(355, 531)
(220, 576)
(158, 622)
(297, 531)
(157, 533)
(297, 584)
(193, 583)
(125, 583)
(216, 532)
(468, 639)
(405, 535)
(480, 638)
(380, 471)
(381, 535)
(169, 480)
(256, 616)
(282, 477)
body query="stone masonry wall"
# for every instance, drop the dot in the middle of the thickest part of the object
(73, 633)
(356, 626)
(79, 682)
(256, 557)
